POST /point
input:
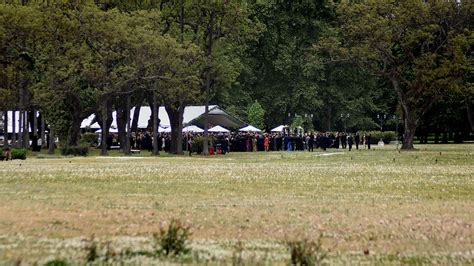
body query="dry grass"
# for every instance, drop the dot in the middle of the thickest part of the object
(409, 207)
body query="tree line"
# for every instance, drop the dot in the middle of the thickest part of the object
(327, 64)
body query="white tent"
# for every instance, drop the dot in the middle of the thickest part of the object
(111, 130)
(278, 128)
(17, 122)
(193, 115)
(193, 129)
(164, 130)
(218, 129)
(250, 128)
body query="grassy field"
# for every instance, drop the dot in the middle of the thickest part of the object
(367, 206)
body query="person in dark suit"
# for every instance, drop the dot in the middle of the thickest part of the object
(311, 142)
(349, 141)
(357, 140)
(368, 138)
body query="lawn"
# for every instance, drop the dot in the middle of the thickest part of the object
(367, 206)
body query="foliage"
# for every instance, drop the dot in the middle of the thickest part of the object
(173, 240)
(256, 115)
(298, 121)
(89, 139)
(75, 150)
(420, 49)
(386, 136)
(56, 262)
(306, 252)
(198, 143)
(18, 154)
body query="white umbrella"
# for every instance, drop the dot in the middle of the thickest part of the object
(218, 129)
(250, 128)
(278, 128)
(194, 129)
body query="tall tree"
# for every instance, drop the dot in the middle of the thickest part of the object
(420, 47)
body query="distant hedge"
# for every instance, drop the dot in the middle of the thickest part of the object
(89, 139)
(75, 150)
(375, 136)
(18, 154)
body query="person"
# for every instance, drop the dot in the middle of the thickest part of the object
(368, 141)
(357, 140)
(190, 145)
(266, 143)
(349, 141)
(7, 154)
(344, 140)
(311, 142)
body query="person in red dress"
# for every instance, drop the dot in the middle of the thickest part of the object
(266, 143)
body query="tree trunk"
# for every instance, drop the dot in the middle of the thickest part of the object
(176, 122)
(127, 150)
(469, 115)
(105, 129)
(411, 122)
(34, 127)
(136, 116)
(26, 131)
(121, 125)
(156, 150)
(43, 130)
(14, 128)
(51, 140)
(5, 129)
(75, 130)
(210, 30)
(20, 129)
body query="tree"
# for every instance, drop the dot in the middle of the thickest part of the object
(256, 115)
(420, 48)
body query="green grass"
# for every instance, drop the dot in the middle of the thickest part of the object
(401, 208)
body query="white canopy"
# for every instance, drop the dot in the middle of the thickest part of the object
(192, 115)
(250, 128)
(218, 129)
(194, 129)
(278, 128)
(17, 122)
(111, 130)
(164, 130)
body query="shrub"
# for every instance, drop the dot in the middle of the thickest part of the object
(75, 150)
(89, 139)
(18, 154)
(56, 262)
(386, 136)
(198, 143)
(173, 241)
(306, 252)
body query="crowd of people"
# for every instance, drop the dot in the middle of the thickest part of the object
(251, 142)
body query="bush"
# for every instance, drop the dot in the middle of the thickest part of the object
(56, 262)
(198, 143)
(89, 139)
(173, 241)
(18, 154)
(386, 136)
(306, 252)
(75, 150)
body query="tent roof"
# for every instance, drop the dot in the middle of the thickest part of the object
(193, 115)
(278, 128)
(218, 129)
(194, 129)
(250, 128)
(17, 122)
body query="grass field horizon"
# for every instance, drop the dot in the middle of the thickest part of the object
(365, 206)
